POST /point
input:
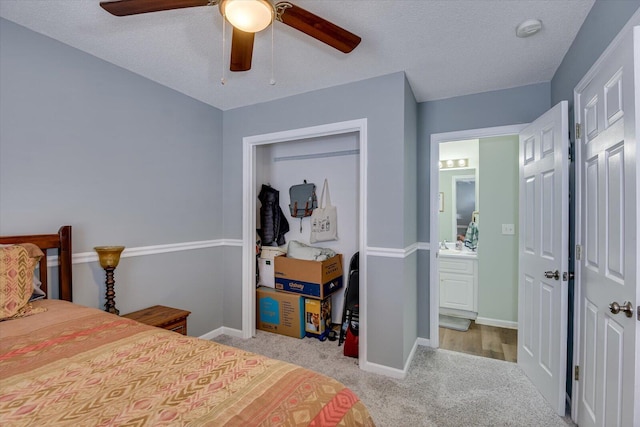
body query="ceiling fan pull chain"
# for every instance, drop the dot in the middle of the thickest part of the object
(224, 31)
(273, 78)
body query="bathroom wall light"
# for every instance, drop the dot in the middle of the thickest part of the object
(453, 163)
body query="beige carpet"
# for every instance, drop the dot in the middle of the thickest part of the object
(442, 388)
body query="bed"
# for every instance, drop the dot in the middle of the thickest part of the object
(66, 364)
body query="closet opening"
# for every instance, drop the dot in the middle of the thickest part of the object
(336, 152)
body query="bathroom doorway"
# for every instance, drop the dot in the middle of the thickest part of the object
(478, 281)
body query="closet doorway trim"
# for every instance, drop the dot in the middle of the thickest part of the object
(249, 186)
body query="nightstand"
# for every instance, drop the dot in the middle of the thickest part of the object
(172, 319)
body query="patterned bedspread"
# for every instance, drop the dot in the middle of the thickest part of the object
(79, 366)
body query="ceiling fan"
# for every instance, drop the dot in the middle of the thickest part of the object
(247, 18)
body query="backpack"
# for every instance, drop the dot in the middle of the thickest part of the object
(303, 199)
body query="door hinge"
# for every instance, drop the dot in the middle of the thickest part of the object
(576, 373)
(578, 131)
(578, 252)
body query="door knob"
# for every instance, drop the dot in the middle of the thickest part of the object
(552, 275)
(626, 308)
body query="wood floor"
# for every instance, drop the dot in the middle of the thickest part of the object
(482, 340)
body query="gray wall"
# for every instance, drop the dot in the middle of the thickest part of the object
(120, 158)
(498, 108)
(603, 23)
(383, 101)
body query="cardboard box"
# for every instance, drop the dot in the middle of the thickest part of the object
(265, 272)
(280, 312)
(313, 279)
(317, 315)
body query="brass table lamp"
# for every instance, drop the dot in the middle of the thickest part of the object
(109, 257)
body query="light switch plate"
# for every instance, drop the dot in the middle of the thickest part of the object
(509, 229)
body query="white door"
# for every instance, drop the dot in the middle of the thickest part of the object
(606, 108)
(543, 250)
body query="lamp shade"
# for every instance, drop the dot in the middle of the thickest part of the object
(250, 16)
(109, 256)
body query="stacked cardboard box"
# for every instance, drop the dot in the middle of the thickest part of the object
(280, 312)
(302, 288)
(312, 279)
(317, 315)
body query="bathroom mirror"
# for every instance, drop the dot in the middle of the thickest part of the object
(465, 202)
(458, 187)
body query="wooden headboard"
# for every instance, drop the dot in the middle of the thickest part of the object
(60, 241)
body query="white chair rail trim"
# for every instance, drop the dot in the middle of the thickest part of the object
(85, 257)
(392, 252)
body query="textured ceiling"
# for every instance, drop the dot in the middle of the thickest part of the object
(446, 48)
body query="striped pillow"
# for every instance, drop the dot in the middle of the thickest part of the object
(17, 264)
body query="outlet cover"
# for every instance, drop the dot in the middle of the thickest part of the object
(508, 229)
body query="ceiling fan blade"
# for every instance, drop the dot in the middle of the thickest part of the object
(133, 7)
(241, 50)
(317, 27)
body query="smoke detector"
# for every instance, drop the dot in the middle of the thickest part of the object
(528, 28)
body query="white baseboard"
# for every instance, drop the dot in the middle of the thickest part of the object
(410, 358)
(223, 330)
(496, 322)
(389, 371)
(425, 342)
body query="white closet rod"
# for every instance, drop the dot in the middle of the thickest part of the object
(317, 155)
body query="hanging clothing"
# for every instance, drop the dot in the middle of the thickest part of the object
(471, 237)
(274, 224)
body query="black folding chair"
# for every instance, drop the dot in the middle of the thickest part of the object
(351, 297)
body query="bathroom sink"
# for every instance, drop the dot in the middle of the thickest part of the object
(452, 252)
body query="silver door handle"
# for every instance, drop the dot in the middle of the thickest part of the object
(626, 308)
(552, 275)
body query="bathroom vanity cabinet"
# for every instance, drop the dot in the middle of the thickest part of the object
(459, 282)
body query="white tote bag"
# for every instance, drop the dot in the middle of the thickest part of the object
(324, 219)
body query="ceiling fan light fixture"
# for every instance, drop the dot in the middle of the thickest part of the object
(249, 16)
